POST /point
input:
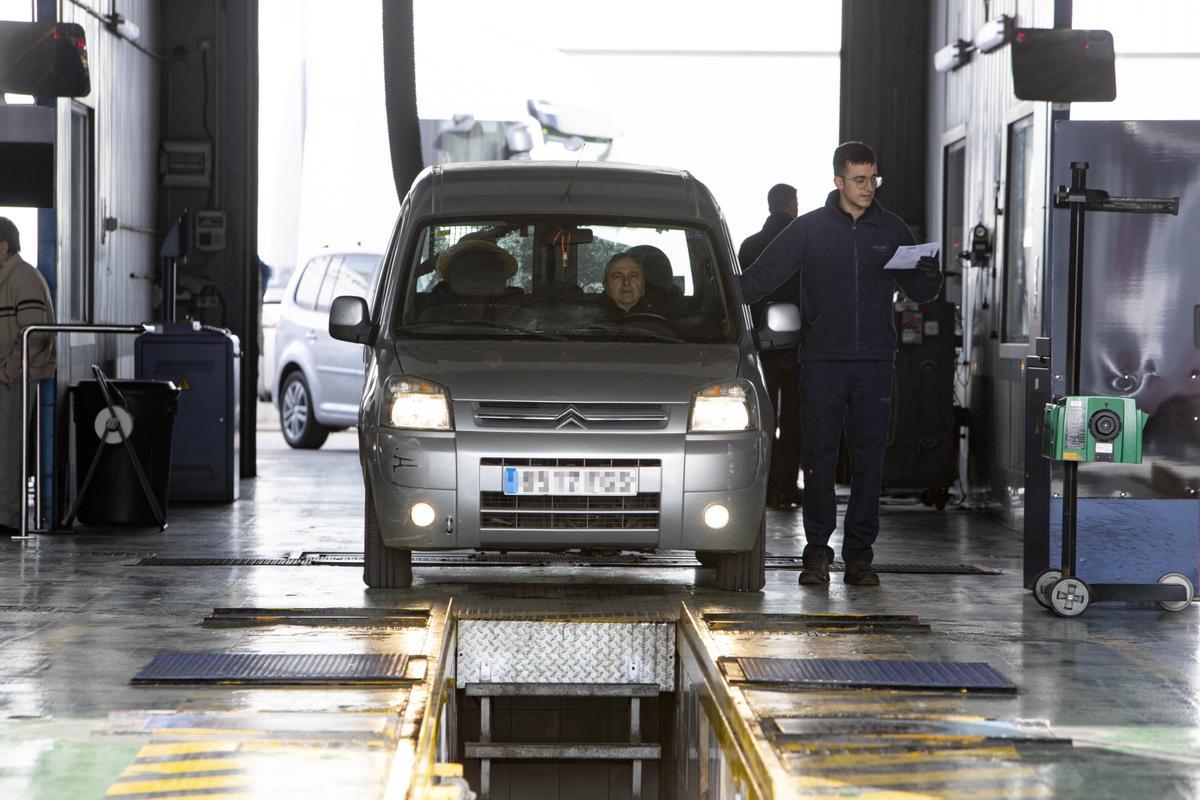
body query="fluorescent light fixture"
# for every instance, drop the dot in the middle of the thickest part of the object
(952, 56)
(122, 27)
(994, 34)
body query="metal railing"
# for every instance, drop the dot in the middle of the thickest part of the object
(37, 480)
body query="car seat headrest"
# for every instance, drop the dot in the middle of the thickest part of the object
(476, 267)
(656, 267)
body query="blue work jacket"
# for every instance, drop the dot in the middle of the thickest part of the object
(845, 295)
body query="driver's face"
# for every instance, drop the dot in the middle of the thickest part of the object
(624, 283)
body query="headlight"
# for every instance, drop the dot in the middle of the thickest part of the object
(723, 408)
(416, 404)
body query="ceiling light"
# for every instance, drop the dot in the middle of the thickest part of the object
(994, 34)
(952, 56)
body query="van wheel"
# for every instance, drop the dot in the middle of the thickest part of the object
(383, 567)
(297, 419)
(746, 571)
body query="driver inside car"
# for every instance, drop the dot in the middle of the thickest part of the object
(625, 286)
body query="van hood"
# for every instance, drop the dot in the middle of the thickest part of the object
(590, 372)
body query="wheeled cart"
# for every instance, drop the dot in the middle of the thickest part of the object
(1081, 429)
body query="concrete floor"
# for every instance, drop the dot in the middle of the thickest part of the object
(78, 620)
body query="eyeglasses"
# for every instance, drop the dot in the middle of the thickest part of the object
(861, 180)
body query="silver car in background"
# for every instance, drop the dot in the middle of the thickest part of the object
(316, 381)
(510, 404)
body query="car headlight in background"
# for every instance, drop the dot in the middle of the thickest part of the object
(415, 404)
(724, 408)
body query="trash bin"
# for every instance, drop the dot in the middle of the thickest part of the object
(115, 495)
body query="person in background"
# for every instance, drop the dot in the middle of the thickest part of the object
(781, 370)
(24, 301)
(847, 350)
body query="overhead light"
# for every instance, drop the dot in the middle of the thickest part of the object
(952, 56)
(994, 34)
(122, 27)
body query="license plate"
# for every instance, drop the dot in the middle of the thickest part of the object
(570, 480)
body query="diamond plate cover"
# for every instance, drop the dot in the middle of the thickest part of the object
(530, 651)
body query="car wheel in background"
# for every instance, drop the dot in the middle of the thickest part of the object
(383, 567)
(296, 418)
(746, 571)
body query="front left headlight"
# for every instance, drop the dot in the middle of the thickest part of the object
(414, 404)
(724, 408)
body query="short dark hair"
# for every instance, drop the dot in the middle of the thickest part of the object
(848, 153)
(779, 196)
(10, 234)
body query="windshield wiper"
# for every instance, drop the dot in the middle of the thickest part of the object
(624, 330)
(417, 327)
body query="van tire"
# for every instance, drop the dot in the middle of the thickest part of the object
(297, 414)
(383, 567)
(745, 571)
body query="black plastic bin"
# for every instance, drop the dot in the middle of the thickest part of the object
(115, 496)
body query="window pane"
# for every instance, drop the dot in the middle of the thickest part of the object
(1019, 244)
(952, 204)
(310, 283)
(514, 278)
(325, 298)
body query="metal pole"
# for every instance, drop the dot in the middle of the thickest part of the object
(1074, 345)
(37, 452)
(25, 334)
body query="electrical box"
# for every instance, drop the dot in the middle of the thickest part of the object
(209, 228)
(1093, 429)
(185, 163)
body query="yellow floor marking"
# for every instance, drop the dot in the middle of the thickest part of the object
(999, 753)
(207, 732)
(185, 767)
(1008, 773)
(880, 742)
(177, 785)
(183, 748)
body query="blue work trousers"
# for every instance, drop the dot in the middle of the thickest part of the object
(856, 395)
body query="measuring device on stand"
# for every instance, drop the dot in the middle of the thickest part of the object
(1082, 429)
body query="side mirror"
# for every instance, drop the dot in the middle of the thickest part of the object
(781, 328)
(350, 320)
(44, 59)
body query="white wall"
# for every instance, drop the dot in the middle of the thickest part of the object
(744, 97)
(1158, 58)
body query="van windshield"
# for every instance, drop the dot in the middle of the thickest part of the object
(565, 281)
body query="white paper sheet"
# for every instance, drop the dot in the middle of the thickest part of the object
(908, 256)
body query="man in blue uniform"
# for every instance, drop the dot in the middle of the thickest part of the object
(781, 370)
(847, 350)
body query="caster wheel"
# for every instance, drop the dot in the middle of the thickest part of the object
(1178, 579)
(1042, 583)
(1069, 597)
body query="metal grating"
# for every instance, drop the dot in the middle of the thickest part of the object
(875, 674)
(275, 668)
(449, 558)
(361, 617)
(824, 623)
(155, 561)
(571, 417)
(791, 729)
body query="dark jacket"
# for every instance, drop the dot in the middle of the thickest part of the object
(845, 295)
(749, 252)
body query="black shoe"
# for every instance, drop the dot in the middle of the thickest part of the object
(791, 498)
(816, 569)
(860, 573)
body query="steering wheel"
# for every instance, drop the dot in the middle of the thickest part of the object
(646, 316)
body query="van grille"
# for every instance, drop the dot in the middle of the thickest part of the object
(572, 416)
(569, 512)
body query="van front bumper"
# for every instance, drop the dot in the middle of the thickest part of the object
(460, 473)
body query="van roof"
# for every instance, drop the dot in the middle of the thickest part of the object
(491, 188)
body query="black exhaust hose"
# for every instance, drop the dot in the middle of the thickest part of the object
(400, 93)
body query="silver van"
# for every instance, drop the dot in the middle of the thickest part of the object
(557, 357)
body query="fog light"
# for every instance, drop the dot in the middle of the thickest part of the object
(422, 515)
(716, 516)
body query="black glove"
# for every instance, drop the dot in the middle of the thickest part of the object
(928, 266)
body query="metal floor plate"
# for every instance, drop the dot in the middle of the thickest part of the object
(277, 668)
(813, 623)
(809, 728)
(823, 673)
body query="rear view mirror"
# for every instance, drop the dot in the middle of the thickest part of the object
(350, 320)
(1060, 65)
(44, 59)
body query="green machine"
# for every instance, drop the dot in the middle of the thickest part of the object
(1091, 428)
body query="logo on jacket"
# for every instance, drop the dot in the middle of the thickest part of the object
(879, 248)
